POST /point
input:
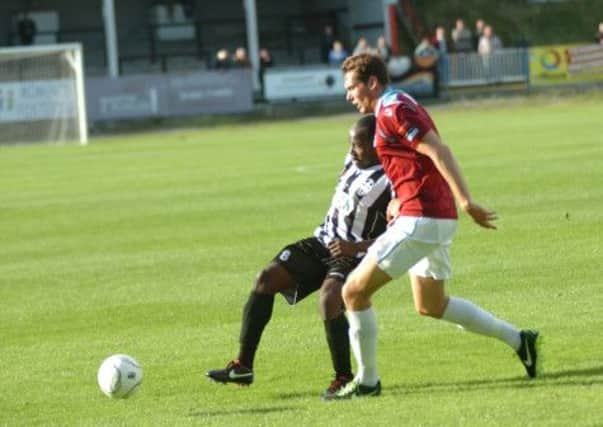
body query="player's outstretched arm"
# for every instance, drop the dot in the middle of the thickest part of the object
(445, 162)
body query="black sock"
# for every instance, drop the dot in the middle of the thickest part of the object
(256, 315)
(339, 344)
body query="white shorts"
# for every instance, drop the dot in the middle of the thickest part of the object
(418, 245)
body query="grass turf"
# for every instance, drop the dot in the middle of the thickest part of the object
(148, 245)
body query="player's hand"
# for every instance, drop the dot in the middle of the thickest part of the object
(393, 210)
(482, 216)
(341, 248)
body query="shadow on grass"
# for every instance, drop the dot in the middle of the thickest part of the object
(568, 377)
(298, 395)
(569, 373)
(255, 411)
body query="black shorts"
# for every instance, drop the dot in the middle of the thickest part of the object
(310, 263)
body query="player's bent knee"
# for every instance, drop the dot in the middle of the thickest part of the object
(270, 281)
(351, 291)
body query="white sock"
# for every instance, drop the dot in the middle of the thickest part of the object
(475, 319)
(363, 340)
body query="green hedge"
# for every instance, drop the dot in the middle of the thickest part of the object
(518, 21)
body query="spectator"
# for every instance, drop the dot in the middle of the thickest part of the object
(426, 49)
(442, 65)
(326, 44)
(489, 42)
(383, 50)
(488, 45)
(461, 37)
(479, 32)
(337, 54)
(222, 60)
(26, 30)
(599, 37)
(266, 61)
(266, 58)
(188, 6)
(362, 47)
(440, 42)
(426, 58)
(240, 59)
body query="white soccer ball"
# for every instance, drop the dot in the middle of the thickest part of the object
(119, 376)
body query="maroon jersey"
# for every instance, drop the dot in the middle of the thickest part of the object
(421, 189)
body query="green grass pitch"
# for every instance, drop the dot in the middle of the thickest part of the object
(148, 245)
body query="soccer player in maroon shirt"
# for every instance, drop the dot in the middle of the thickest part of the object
(427, 179)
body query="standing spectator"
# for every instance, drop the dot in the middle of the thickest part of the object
(479, 32)
(461, 37)
(266, 61)
(442, 46)
(240, 59)
(488, 45)
(440, 40)
(599, 37)
(383, 49)
(362, 47)
(337, 54)
(222, 60)
(326, 44)
(489, 42)
(26, 29)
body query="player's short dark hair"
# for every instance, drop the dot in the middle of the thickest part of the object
(366, 65)
(366, 125)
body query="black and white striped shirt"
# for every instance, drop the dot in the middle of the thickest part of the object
(358, 207)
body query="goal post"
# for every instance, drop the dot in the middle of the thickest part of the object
(42, 95)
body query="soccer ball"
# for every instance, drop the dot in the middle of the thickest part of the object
(119, 376)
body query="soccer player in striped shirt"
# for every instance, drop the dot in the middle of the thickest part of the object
(357, 215)
(427, 179)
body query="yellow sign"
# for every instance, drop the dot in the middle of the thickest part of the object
(566, 64)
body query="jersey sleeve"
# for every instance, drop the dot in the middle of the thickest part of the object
(404, 123)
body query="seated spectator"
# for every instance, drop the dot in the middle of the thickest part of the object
(240, 58)
(383, 50)
(266, 58)
(599, 37)
(337, 54)
(266, 61)
(326, 43)
(222, 60)
(426, 58)
(362, 47)
(461, 37)
(26, 29)
(426, 53)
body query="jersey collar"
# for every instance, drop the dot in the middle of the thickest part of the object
(388, 91)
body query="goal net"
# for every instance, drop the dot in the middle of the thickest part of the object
(42, 94)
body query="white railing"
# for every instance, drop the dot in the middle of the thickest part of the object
(471, 69)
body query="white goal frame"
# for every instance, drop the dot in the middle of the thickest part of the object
(76, 62)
